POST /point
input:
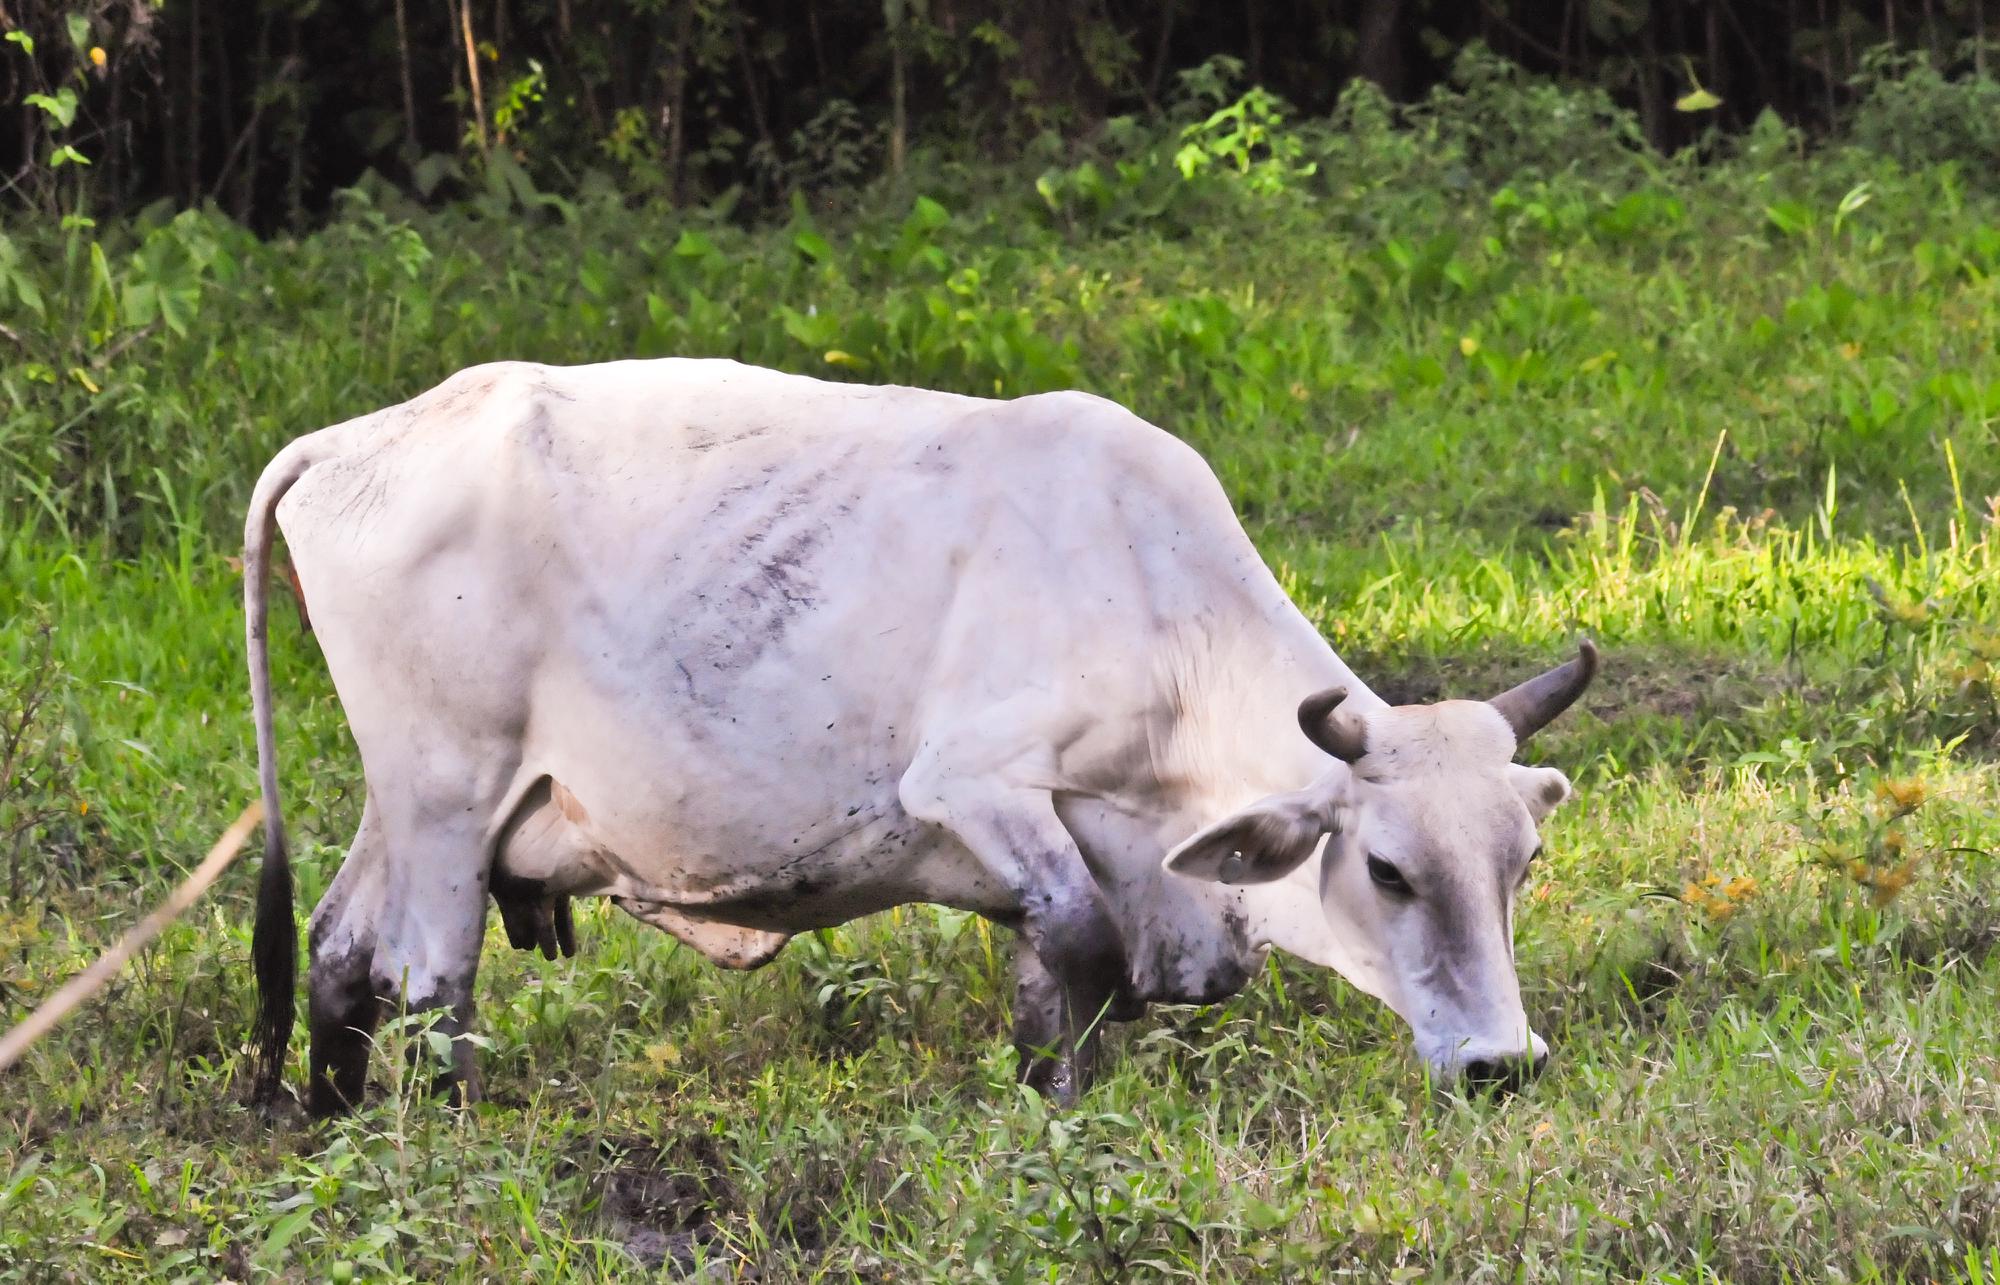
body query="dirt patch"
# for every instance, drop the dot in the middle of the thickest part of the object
(663, 1202)
(670, 1202)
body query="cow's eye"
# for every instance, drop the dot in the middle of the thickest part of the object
(1385, 875)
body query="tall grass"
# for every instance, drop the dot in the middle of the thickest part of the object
(1736, 421)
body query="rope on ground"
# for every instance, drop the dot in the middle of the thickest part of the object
(88, 982)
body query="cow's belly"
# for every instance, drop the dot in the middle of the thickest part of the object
(661, 808)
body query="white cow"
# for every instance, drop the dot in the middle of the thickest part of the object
(751, 654)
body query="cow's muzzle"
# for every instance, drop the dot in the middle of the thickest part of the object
(1503, 1074)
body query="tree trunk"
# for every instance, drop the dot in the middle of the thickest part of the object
(194, 104)
(225, 99)
(677, 101)
(472, 74)
(295, 181)
(1050, 61)
(1652, 106)
(1979, 39)
(1253, 15)
(1161, 49)
(1378, 45)
(751, 87)
(899, 121)
(409, 83)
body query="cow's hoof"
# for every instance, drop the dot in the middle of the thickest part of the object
(1054, 1078)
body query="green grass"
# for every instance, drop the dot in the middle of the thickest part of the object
(1464, 423)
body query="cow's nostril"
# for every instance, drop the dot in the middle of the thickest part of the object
(1499, 1075)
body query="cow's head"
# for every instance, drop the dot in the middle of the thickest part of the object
(1431, 827)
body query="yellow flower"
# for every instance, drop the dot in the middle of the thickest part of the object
(96, 56)
(1908, 795)
(1741, 888)
(658, 1057)
(1889, 884)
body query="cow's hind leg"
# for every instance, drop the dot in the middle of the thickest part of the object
(399, 929)
(432, 923)
(343, 1006)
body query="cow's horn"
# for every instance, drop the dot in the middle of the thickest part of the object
(1344, 736)
(1529, 707)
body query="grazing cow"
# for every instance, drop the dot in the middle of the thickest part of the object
(751, 654)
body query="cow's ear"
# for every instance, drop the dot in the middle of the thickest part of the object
(1543, 789)
(1267, 840)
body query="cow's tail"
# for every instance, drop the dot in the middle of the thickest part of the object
(274, 943)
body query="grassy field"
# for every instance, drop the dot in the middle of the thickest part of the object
(1473, 394)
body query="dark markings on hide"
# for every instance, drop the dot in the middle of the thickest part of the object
(779, 585)
(456, 397)
(537, 432)
(935, 461)
(358, 490)
(698, 439)
(730, 496)
(1231, 968)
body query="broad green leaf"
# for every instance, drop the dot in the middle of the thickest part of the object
(29, 294)
(178, 305)
(929, 214)
(61, 105)
(693, 245)
(141, 303)
(286, 1228)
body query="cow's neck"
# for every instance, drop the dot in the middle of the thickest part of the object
(1237, 693)
(1230, 688)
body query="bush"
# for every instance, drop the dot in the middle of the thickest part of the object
(1917, 115)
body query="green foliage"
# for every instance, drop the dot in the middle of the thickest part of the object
(1917, 115)
(1474, 395)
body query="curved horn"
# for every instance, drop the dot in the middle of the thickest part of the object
(1529, 707)
(1344, 736)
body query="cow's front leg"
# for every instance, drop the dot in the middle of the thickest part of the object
(1057, 1024)
(1070, 965)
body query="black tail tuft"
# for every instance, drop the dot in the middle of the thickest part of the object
(274, 950)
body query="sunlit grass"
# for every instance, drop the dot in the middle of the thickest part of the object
(1753, 463)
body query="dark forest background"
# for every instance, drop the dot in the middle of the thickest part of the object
(266, 107)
